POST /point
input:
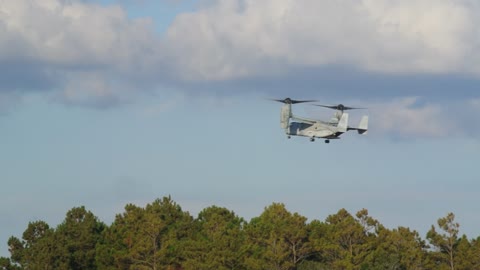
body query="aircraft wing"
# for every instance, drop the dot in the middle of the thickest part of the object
(308, 121)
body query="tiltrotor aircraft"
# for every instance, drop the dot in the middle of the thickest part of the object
(312, 128)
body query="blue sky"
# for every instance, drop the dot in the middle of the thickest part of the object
(115, 102)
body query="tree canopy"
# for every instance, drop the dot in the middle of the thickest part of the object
(161, 235)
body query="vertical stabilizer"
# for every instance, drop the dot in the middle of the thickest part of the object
(343, 123)
(363, 126)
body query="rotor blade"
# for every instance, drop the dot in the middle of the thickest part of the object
(352, 108)
(292, 101)
(302, 101)
(327, 106)
(278, 100)
(339, 107)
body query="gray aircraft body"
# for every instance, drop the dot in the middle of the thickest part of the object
(312, 128)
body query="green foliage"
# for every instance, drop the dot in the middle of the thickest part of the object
(16, 249)
(37, 249)
(146, 238)
(445, 243)
(277, 239)
(70, 246)
(6, 264)
(399, 248)
(218, 242)
(162, 236)
(465, 255)
(347, 240)
(79, 235)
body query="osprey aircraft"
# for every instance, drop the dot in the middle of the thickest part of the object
(311, 128)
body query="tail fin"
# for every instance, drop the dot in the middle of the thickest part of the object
(363, 126)
(343, 123)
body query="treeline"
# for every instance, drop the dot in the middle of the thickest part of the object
(163, 236)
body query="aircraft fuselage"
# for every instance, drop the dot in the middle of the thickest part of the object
(316, 130)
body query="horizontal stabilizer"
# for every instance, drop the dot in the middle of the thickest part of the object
(363, 126)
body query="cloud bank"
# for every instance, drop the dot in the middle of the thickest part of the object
(59, 45)
(238, 38)
(392, 52)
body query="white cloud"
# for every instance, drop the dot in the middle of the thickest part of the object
(74, 34)
(76, 48)
(91, 54)
(408, 118)
(236, 38)
(411, 117)
(90, 89)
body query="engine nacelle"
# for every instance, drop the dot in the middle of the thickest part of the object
(285, 115)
